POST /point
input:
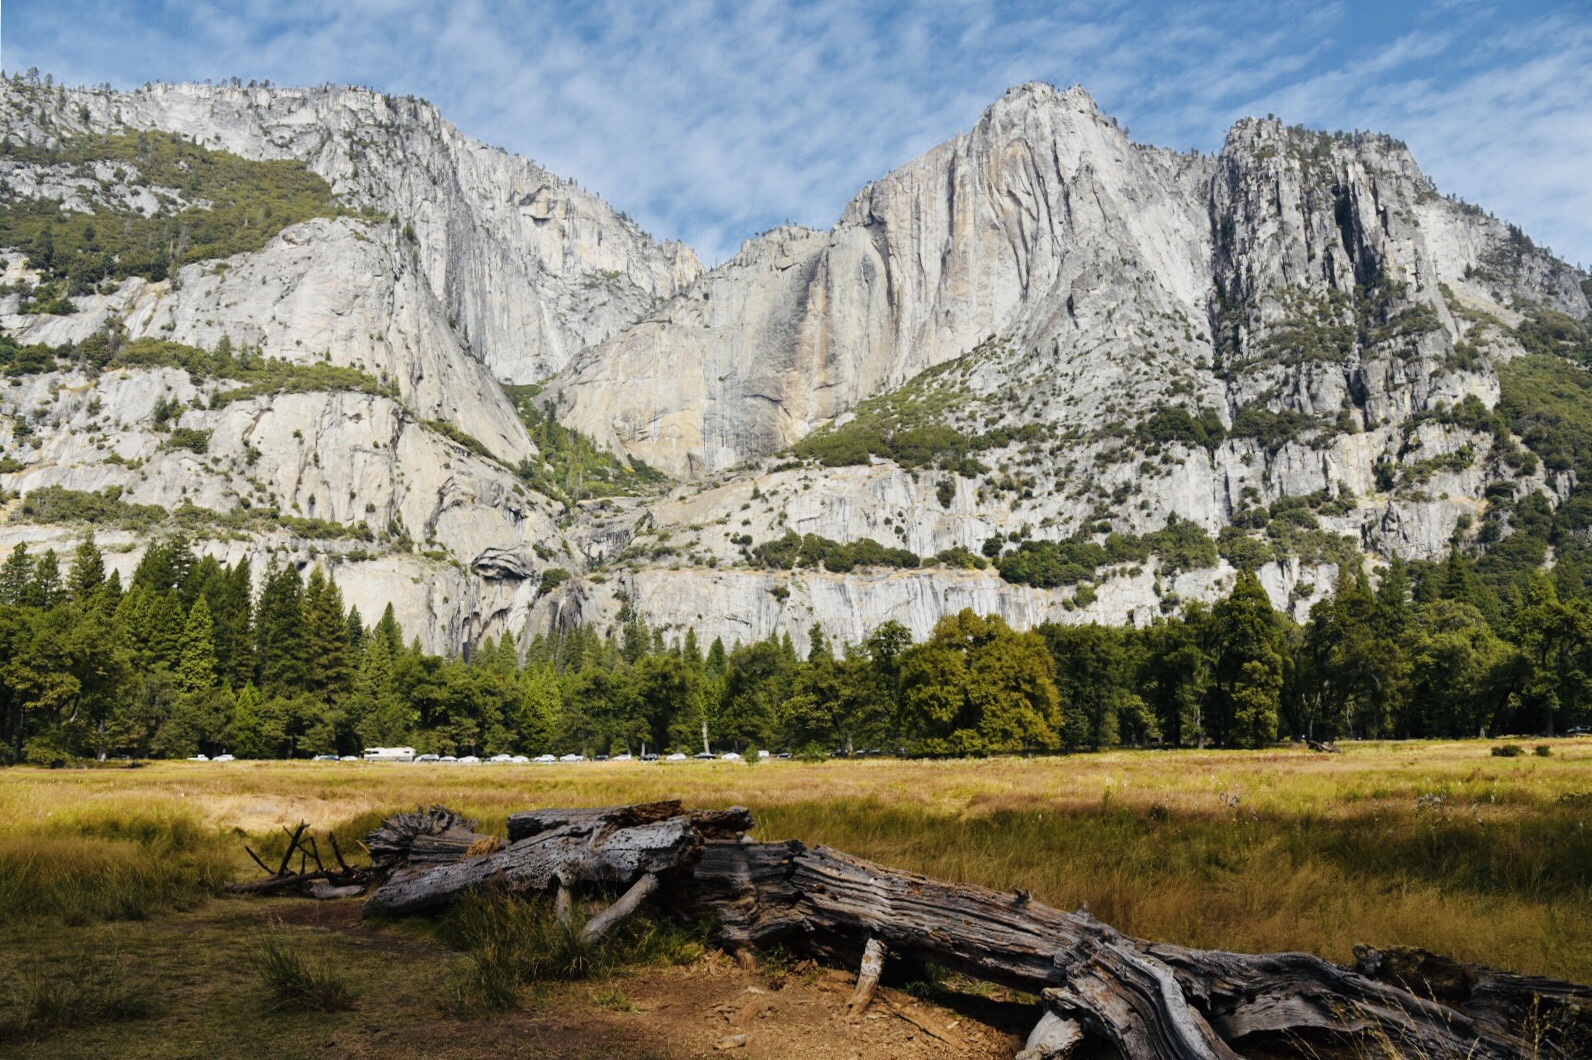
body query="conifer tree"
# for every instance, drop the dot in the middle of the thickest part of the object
(281, 644)
(88, 570)
(196, 664)
(1248, 669)
(16, 577)
(163, 630)
(388, 629)
(46, 590)
(326, 631)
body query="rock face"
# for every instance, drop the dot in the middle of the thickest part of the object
(1112, 336)
(527, 266)
(1095, 258)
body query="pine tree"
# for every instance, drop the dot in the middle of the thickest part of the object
(356, 633)
(196, 664)
(163, 630)
(818, 649)
(541, 709)
(389, 630)
(326, 629)
(88, 570)
(281, 645)
(16, 577)
(46, 590)
(230, 607)
(1248, 670)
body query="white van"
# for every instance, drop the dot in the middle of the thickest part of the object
(389, 754)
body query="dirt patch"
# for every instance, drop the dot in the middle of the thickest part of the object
(713, 1008)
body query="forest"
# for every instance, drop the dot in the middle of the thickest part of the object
(187, 658)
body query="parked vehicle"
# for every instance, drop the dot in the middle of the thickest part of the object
(389, 754)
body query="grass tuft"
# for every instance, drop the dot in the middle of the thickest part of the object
(297, 984)
(90, 988)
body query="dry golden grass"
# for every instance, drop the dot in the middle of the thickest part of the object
(1437, 845)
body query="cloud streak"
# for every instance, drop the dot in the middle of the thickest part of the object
(711, 120)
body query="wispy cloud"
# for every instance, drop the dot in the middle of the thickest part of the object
(711, 120)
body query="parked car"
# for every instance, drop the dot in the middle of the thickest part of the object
(428, 758)
(650, 756)
(223, 758)
(676, 757)
(546, 759)
(730, 756)
(345, 758)
(469, 760)
(705, 756)
(573, 758)
(501, 759)
(626, 757)
(519, 760)
(324, 758)
(599, 758)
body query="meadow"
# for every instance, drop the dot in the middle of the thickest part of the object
(1441, 845)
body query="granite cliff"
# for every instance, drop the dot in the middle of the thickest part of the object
(1117, 371)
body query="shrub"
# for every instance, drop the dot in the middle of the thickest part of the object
(1544, 750)
(189, 438)
(552, 578)
(811, 550)
(1508, 750)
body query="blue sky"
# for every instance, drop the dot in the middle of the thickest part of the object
(711, 121)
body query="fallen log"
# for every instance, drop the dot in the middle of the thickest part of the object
(606, 848)
(1142, 999)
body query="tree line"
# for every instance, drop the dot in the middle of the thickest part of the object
(187, 658)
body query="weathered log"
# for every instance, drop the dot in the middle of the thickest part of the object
(390, 844)
(712, 825)
(1502, 1000)
(1148, 1000)
(588, 850)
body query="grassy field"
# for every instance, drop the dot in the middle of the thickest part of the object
(1437, 845)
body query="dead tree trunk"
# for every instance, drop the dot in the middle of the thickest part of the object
(606, 848)
(1147, 1000)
